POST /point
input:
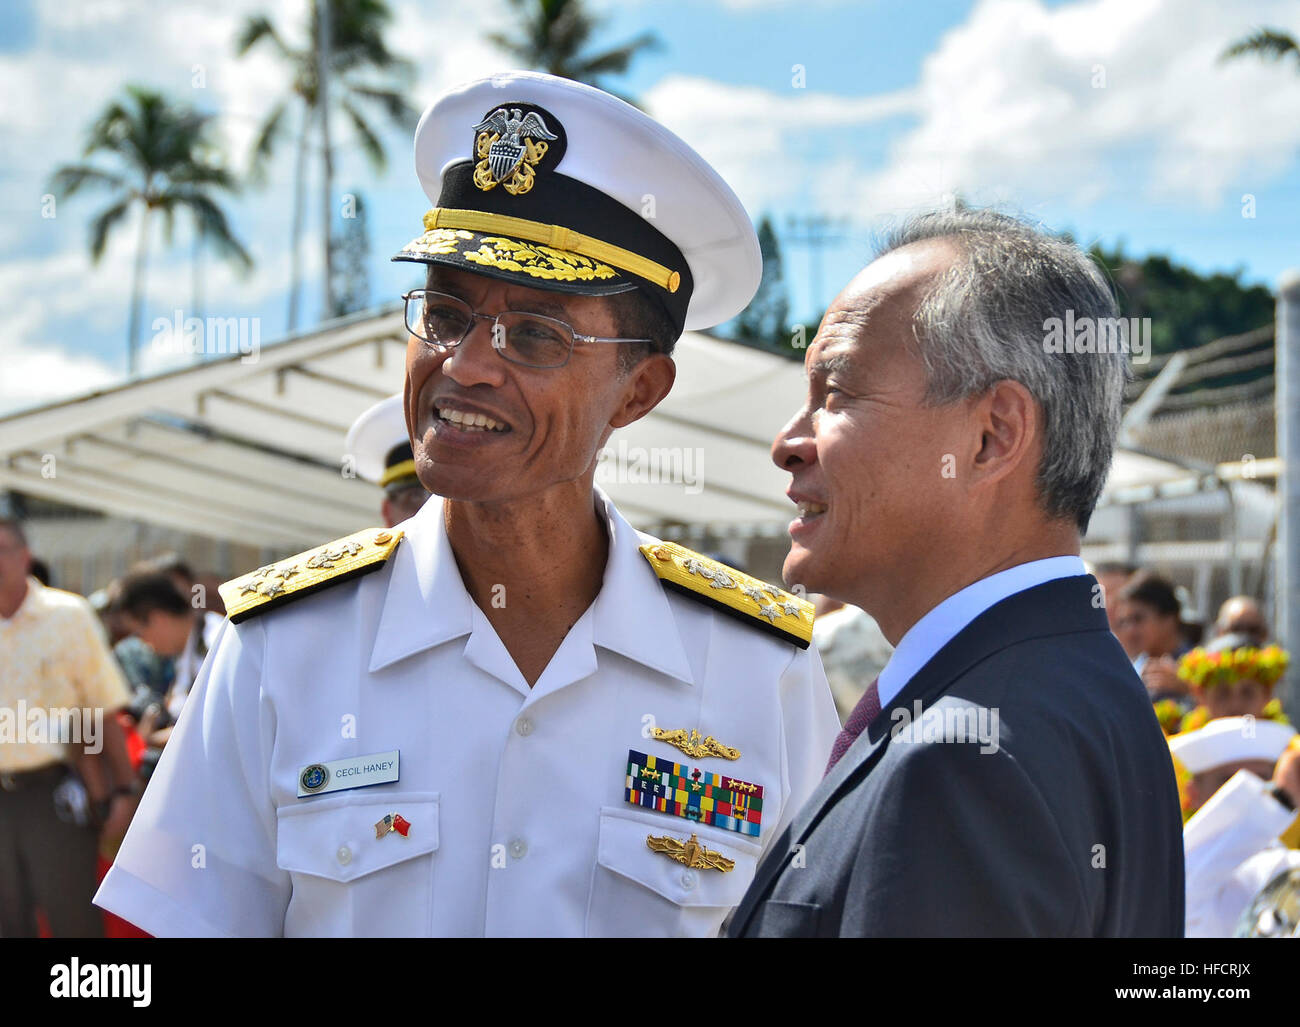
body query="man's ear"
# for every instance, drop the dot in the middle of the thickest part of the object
(646, 386)
(1008, 420)
(408, 399)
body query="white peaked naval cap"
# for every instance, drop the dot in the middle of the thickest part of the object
(556, 185)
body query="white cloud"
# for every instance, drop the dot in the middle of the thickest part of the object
(1092, 99)
(748, 133)
(1020, 104)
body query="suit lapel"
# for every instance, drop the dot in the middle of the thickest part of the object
(1057, 607)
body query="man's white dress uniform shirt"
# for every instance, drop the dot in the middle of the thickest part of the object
(945, 622)
(514, 796)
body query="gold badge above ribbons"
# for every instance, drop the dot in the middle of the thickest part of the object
(690, 852)
(693, 745)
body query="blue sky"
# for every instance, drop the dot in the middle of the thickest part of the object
(1109, 118)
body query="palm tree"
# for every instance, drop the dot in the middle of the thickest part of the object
(553, 36)
(166, 164)
(353, 50)
(211, 230)
(1268, 44)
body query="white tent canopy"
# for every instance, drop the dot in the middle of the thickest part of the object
(251, 449)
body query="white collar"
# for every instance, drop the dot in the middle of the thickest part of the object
(631, 614)
(942, 624)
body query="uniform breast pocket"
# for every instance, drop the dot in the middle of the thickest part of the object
(637, 891)
(352, 878)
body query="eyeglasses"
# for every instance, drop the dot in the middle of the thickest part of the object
(532, 340)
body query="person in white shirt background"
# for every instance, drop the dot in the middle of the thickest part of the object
(1242, 785)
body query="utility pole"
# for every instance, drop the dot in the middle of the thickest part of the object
(1287, 399)
(815, 231)
(322, 96)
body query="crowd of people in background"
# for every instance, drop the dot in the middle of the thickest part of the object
(1211, 687)
(138, 645)
(1173, 653)
(1235, 752)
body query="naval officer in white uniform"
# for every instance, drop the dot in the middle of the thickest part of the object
(511, 714)
(378, 448)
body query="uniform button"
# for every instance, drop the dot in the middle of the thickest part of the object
(688, 879)
(519, 848)
(524, 726)
(345, 855)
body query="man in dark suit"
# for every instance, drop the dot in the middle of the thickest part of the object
(1005, 774)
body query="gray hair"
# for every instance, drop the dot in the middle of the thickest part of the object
(986, 320)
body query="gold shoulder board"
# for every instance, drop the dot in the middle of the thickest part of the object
(755, 602)
(283, 582)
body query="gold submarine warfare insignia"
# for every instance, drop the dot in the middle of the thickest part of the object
(692, 745)
(690, 852)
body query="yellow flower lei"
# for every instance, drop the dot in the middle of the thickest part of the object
(1207, 670)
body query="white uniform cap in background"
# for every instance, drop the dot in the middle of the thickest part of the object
(1230, 740)
(379, 444)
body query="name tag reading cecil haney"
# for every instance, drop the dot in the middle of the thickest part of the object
(357, 772)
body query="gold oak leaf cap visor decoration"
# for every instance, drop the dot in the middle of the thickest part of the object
(559, 186)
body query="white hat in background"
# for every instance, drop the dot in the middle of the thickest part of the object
(1230, 740)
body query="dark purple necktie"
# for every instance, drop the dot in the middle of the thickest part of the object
(867, 710)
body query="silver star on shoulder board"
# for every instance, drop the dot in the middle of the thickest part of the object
(774, 592)
(755, 594)
(273, 589)
(791, 608)
(770, 612)
(694, 566)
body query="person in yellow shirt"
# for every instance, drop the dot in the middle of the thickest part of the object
(58, 693)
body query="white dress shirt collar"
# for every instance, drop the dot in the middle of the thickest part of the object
(427, 604)
(942, 624)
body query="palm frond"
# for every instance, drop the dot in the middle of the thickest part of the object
(393, 102)
(103, 224)
(72, 178)
(253, 31)
(370, 143)
(212, 226)
(616, 61)
(1269, 44)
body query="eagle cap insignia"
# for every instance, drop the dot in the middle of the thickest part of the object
(509, 144)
